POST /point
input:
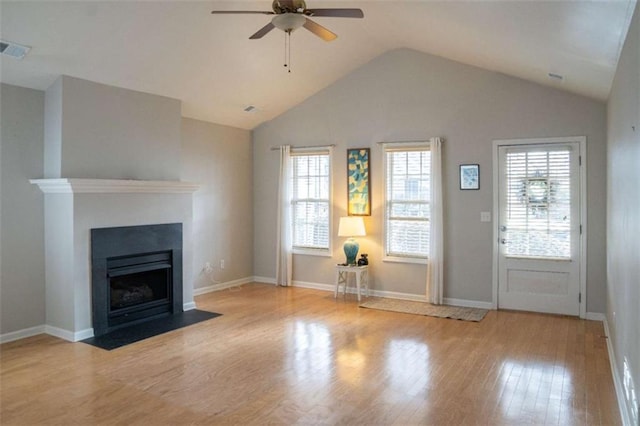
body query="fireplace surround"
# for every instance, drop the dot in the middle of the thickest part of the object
(136, 274)
(75, 206)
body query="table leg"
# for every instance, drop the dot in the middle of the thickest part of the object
(365, 282)
(345, 280)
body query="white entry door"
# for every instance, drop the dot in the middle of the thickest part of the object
(539, 227)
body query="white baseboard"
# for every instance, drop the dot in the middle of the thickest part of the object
(398, 295)
(468, 303)
(67, 335)
(222, 286)
(264, 280)
(395, 295)
(352, 290)
(595, 316)
(83, 334)
(623, 405)
(188, 306)
(21, 334)
(316, 286)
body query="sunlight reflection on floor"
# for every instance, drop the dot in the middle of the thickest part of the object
(542, 391)
(407, 365)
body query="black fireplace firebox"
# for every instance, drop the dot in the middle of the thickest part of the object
(136, 274)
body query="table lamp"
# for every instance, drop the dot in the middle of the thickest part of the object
(351, 226)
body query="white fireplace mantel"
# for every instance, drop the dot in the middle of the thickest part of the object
(94, 186)
(73, 207)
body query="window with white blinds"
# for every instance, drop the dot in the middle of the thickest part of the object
(407, 198)
(311, 200)
(538, 204)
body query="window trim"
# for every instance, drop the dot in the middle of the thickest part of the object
(406, 259)
(310, 251)
(398, 147)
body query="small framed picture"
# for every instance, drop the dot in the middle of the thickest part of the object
(469, 176)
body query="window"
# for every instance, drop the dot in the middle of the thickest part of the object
(407, 198)
(311, 201)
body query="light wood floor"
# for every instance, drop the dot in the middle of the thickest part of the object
(297, 356)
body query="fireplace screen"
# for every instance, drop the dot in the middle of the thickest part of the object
(134, 289)
(139, 286)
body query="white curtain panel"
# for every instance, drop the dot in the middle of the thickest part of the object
(284, 250)
(435, 281)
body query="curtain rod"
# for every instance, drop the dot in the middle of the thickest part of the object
(414, 141)
(275, 148)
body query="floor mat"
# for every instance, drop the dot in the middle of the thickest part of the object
(423, 308)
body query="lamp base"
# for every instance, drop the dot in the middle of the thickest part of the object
(351, 248)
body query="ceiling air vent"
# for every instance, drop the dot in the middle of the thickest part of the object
(555, 76)
(250, 109)
(14, 50)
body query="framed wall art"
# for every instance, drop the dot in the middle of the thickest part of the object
(358, 186)
(469, 176)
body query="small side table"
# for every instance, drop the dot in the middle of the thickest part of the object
(362, 278)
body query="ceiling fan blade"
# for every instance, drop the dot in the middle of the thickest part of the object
(319, 30)
(262, 31)
(236, 12)
(335, 13)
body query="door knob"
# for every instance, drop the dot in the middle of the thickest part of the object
(503, 241)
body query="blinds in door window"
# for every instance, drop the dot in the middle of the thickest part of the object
(538, 205)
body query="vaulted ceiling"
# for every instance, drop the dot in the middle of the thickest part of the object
(180, 50)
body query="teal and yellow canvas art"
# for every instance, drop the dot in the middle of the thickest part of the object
(359, 192)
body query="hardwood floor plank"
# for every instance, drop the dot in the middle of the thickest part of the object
(299, 356)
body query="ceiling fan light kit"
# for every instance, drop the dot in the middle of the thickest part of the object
(293, 14)
(288, 22)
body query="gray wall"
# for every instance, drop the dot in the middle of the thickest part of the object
(22, 295)
(217, 157)
(105, 132)
(408, 95)
(623, 202)
(220, 159)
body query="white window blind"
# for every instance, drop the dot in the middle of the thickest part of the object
(407, 197)
(311, 199)
(538, 216)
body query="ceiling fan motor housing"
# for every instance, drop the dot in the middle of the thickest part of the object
(288, 6)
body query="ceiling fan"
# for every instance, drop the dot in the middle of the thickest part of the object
(293, 14)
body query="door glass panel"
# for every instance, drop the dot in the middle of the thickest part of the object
(538, 203)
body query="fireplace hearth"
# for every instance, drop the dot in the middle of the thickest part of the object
(136, 274)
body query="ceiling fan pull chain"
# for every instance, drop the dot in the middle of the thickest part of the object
(289, 57)
(287, 49)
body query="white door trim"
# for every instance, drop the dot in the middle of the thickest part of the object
(582, 141)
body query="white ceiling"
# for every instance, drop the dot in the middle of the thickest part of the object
(178, 49)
